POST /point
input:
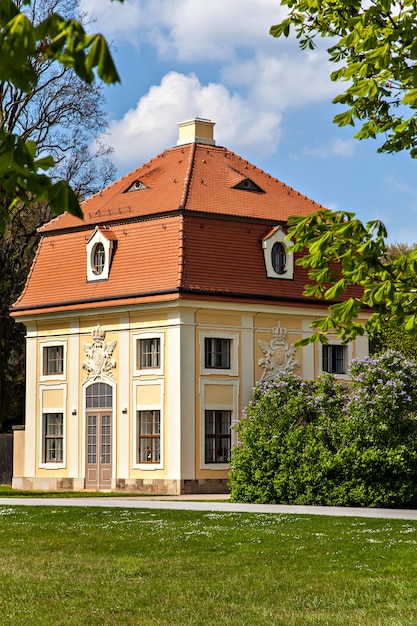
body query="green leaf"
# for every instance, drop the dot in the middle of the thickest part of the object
(343, 119)
(410, 98)
(336, 291)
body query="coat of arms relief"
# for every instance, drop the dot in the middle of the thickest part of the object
(99, 362)
(279, 356)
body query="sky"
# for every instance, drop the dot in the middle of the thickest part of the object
(271, 102)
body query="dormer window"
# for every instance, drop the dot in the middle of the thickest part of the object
(99, 257)
(279, 257)
(248, 185)
(137, 185)
(279, 263)
(99, 254)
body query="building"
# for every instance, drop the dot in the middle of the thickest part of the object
(150, 321)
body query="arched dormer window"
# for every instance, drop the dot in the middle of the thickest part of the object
(99, 258)
(279, 263)
(279, 257)
(99, 253)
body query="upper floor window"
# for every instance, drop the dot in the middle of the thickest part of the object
(53, 360)
(149, 353)
(334, 359)
(217, 353)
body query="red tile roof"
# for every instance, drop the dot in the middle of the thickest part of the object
(188, 232)
(193, 177)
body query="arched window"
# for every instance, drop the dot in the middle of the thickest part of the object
(99, 396)
(98, 258)
(278, 257)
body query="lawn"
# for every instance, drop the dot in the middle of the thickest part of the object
(100, 566)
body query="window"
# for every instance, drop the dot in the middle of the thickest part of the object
(53, 429)
(149, 353)
(248, 185)
(333, 359)
(278, 263)
(53, 360)
(99, 395)
(278, 257)
(217, 353)
(148, 436)
(99, 257)
(99, 250)
(217, 436)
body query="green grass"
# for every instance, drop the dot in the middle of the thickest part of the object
(98, 566)
(6, 491)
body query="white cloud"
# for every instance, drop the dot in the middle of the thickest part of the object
(190, 30)
(283, 81)
(259, 76)
(152, 125)
(337, 147)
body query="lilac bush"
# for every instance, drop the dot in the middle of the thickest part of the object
(321, 442)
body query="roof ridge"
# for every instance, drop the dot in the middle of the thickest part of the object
(181, 255)
(187, 177)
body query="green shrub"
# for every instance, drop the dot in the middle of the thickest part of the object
(324, 443)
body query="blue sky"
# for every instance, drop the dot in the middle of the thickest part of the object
(271, 102)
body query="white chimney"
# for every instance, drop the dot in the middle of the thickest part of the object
(197, 130)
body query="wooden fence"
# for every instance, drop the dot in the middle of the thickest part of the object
(6, 459)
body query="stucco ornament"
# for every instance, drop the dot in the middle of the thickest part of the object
(99, 363)
(279, 356)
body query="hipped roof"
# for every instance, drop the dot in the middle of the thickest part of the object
(193, 228)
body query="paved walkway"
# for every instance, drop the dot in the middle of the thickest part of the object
(209, 502)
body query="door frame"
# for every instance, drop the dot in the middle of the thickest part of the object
(112, 384)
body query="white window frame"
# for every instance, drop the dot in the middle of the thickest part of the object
(348, 358)
(278, 236)
(98, 237)
(233, 408)
(56, 409)
(52, 344)
(234, 351)
(146, 371)
(140, 406)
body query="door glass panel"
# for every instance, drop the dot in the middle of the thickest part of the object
(92, 438)
(105, 439)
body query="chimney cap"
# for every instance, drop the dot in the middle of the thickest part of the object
(197, 130)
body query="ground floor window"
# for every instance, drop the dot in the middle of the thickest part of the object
(53, 431)
(217, 436)
(149, 436)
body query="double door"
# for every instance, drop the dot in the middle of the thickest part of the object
(99, 450)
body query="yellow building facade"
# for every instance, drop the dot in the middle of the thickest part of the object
(148, 329)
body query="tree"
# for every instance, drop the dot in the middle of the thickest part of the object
(392, 336)
(343, 252)
(25, 46)
(375, 51)
(60, 114)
